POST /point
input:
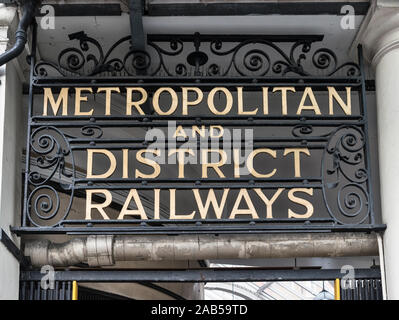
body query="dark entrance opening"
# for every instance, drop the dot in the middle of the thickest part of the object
(366, 286)
(87, 294)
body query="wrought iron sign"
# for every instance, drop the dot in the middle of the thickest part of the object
(197, 134)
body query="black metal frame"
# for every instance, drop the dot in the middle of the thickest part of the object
(366, 285)
(256, 69)
(13, 249)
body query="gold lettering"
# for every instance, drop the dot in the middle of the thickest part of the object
(251, 209)
(180, 158)
(62, 98)
(297, 157)
(284, 108)
(250, 162)
(187, 103)
(125, 161)
(136, 104)
(305, 203)
(172, 207)
(100, 207)
(265, 95)
(155, 101)
(206, 165)
(136, 212)
(213, 132)
(180, 132)
(269, 203)
(211, 103)
(333, 94)
(236, 161)
(211, 199)
(79, 99)
(112, 165)
(149, 162)
(156, 203)
(108, 93)
(241, 104)
(315, 107)
(196, 130)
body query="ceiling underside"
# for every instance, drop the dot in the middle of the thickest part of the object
(107, 29)
(210, 7)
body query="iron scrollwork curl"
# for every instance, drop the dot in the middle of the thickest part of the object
(302, 130)
(345, 176)
(50, 148)
(93, 131)
(326, 59)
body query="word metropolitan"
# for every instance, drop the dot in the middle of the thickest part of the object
(172, 104)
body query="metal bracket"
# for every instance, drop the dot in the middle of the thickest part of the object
(136, 25)
(138, 40)
(13, 249)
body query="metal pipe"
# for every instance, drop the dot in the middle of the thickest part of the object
(105, 250)
(21, 34)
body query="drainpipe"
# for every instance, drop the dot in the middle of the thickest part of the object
(106, 250)
(28, 9)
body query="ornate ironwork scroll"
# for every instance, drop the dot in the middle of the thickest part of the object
(198, 55)
(346, 175)
(52, 153)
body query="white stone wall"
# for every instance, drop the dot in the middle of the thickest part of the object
(10, 157)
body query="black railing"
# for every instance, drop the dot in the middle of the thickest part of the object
(33, 290)
(364, 289)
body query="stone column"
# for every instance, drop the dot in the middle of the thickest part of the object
(11, 141)
(379, 36)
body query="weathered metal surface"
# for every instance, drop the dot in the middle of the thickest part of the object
(106, 250)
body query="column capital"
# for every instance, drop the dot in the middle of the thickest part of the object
(7, 20)
(7, 15)
(379, 32)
